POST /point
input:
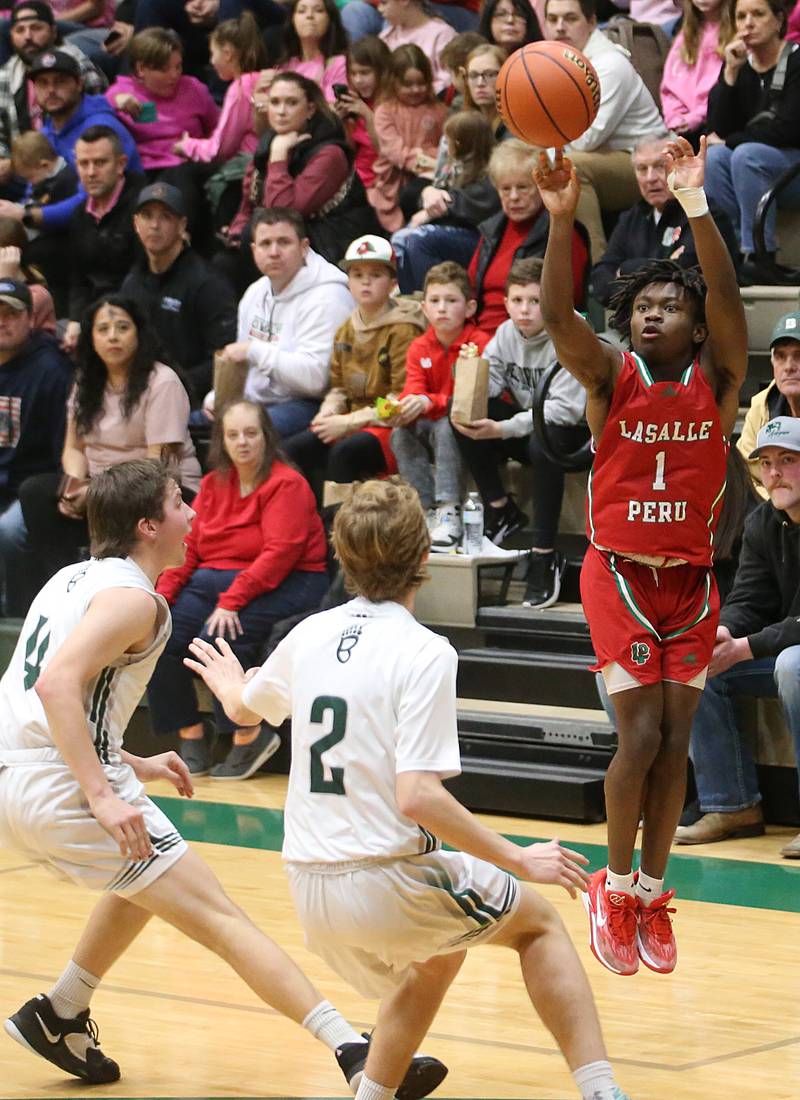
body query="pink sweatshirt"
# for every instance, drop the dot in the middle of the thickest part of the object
(190, 110)
(104, 19)
(685, 88)
(431, 37)
(402, 132)
(234, 131)
(325, 73)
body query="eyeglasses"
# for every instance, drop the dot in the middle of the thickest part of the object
(483, 78)
(509, 16)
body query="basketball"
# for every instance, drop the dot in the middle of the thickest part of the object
(548, 93)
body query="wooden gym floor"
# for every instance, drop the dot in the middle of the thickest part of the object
(725, 1025)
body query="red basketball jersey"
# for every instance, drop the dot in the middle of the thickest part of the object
(658, 479)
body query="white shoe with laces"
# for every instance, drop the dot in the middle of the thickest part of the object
(446, 535)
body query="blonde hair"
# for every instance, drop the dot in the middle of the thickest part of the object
(381, 539)
(692, 29)
(512, 155)
(471, 139)
(30, 148)
(498, 54)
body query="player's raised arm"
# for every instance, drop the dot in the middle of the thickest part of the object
(592, 362)
(724, 354)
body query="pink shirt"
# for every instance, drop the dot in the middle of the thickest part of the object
(322, 72)
(97, 211)
(234, 131)
(104, 19)
(191, 110)
(685, 88)
(431, 37)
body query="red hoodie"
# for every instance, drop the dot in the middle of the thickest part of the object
(429, 366)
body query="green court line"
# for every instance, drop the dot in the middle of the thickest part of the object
(694, 878)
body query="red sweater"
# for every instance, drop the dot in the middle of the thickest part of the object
(272, 532)
(429, 366)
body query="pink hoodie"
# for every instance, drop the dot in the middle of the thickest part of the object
(685, 88)
(325, 73)
(234, 132)
(190, 110)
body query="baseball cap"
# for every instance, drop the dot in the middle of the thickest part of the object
(40, 10)
(16, 295)
(164, 193)
(782, 431)
(55, 61)
(787, 328)
(370, 248)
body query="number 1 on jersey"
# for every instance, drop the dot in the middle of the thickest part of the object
(322, 706)
(661, 459)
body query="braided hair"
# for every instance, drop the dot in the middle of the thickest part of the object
(656, 271)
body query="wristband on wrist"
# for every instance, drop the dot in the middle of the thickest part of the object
(692, 199)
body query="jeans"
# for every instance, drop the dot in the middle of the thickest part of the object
(292, 416)
(170, 694)
(415, 446)
(737, 178)
(418, 248)
(723, 764)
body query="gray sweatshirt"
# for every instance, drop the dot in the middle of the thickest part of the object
(516, 363)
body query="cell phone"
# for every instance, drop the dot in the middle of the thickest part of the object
(148, 113)
(340, 90)
(112, 37)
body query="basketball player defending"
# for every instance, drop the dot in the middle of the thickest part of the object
(72, 799)
(661, 416)
(372, 699)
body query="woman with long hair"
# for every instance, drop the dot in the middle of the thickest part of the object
(256, 554)
(368, 82)
(314, 44)
(480, 80)
(124, 405)
(509, 24)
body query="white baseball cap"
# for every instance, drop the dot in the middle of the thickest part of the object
(372, 249)
(782, 431)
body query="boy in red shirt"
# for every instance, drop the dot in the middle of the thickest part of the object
(423, 434)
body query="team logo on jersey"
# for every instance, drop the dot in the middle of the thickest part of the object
(347, 643)
(640, 653)
(76, 577)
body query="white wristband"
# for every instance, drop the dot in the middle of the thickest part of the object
(692, 199)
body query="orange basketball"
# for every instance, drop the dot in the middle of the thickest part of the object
(548, 93)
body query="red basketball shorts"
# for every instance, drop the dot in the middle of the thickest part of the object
(658, 624)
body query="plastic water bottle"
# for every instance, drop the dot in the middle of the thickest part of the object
(472, 516)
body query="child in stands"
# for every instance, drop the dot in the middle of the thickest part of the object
(368, 76)
(408, 23)
(423, 432)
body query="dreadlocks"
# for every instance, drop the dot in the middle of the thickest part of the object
(656, 271)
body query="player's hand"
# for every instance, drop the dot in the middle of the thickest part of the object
(217, 665)
(480, 429)
(124, 823)
(551, 863)
(688, 168)
(167, 765)
(558, 184)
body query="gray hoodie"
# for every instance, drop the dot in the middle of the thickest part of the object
(516, 363)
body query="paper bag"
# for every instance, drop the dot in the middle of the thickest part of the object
(229, 380)
(470, 389)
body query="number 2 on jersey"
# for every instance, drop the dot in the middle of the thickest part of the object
(661, 459)
(320, 708)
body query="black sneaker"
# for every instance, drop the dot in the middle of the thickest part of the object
(424, 1074)
(245, 760)
(544, 579)
(499, 523)
(37, 1027)
(196, 753)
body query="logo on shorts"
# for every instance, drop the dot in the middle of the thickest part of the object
(690, 659)
(640, 653)
(348, 643)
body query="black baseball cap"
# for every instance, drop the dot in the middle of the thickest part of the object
(16, 294)
(54, 61)
(40, 10)
(164, 193)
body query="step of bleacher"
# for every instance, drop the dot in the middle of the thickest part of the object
(561, 628)
(526, 676)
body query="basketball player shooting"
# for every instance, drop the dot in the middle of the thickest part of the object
(661, 416)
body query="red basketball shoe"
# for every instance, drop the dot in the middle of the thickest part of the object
(612, 926)
(655, 938)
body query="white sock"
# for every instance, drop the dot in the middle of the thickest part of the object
(622, 884)
(73, 991)
(371, 1090)
(329, 1026)
(648, 889)
(595, 1080)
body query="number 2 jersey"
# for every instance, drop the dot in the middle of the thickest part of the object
(656, 487)
(110, 698)
(371, 693)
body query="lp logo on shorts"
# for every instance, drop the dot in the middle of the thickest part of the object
(640, 653)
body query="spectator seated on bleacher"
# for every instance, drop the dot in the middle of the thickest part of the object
(348, 440)
(408, 23)
(655, 228)
(102, 241)
(517, 232)
(454, 58)
(125, 404)
(510, 24)
(519, 354)
(782, 395)
(424, 442)
(288, 320)
(256, 555)
(602, 155)
(753, 113)
(693, 66)
(368, 79)
(14, 246)
(362, 17)
(480, 74)
(35, 379)
(190, 305)
(314, 44)
(757, 651)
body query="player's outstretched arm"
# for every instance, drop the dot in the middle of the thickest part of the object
(117, 620)
(220, 670)
(421, 796)
(724, 354)
(591, 361)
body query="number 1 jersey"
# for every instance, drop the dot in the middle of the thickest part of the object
(371, 693)
(656, 487)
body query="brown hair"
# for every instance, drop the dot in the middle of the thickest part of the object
(274, 215)
(121, 496)
(154, 47)
(381, 539)
(310, 89)
(524, 272)
(408, 57)
(692, 29)
(244, 35)
(472, 139)
(373, 53)
(12, 233)
(499, 55)
(218, 457)
(30, 148)
(449, 272)
(453, 55)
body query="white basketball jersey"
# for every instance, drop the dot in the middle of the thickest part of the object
(110, 698)
(371, 693)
